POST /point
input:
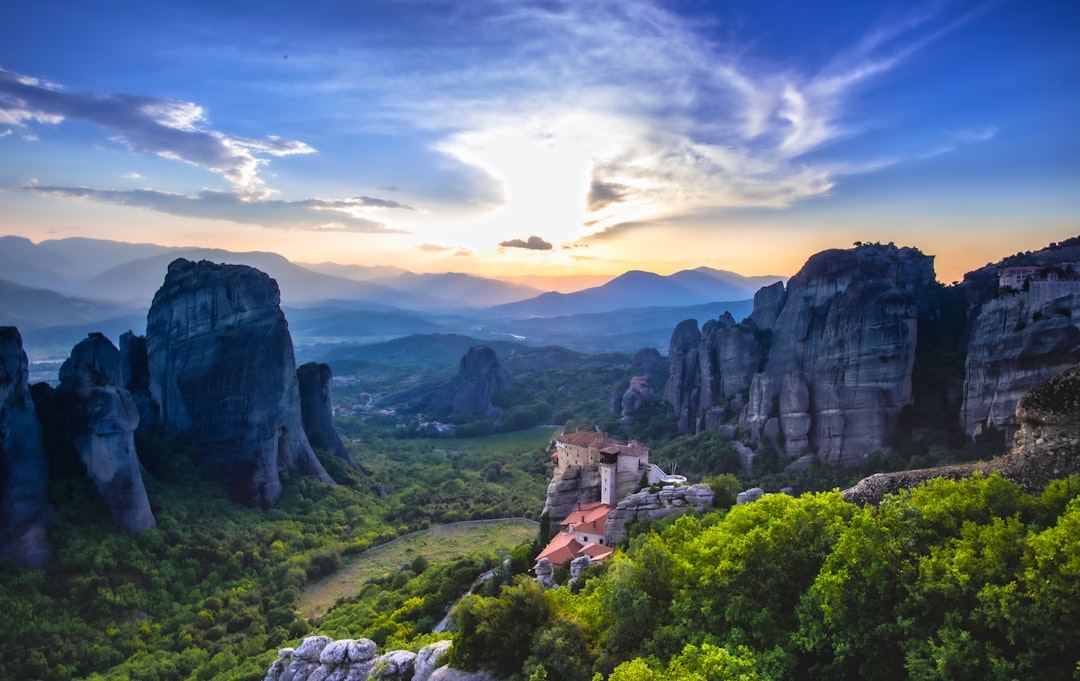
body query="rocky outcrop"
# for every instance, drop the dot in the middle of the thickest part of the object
(626, 403)
(830, 356)
(684, 382)
(319, 658)
(671, 500)
(842, 351)
(223, 372)
(1047, 446)
(102, 418)
(24, 501)
(480, 377)
(1017, 341)
(576, 485)
(316, 410)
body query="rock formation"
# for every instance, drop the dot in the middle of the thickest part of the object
(1047, 446)
(1017, 341)
(479, 378)
(666, 501)
(684, 384)
(831, 356)
(321, 658)
(24, 501)
(102, 419)
(222, 371)
(316, 410)
(576, 485)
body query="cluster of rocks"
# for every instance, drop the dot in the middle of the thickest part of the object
(669, 500)
(216, 365)
(1047, 446)
(319, 658)
(544, 571)
(826, 363)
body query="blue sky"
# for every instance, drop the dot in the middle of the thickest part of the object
(556, 137)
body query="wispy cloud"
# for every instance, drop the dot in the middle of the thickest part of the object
(962, 137)
(636, 107)
(147, 125)
(342, 215)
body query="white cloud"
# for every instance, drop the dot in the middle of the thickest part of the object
(595, 114)
(167, 128)
(337, 215)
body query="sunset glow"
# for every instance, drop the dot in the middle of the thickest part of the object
(544, 138)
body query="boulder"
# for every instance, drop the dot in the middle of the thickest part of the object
(578, 566)
(223, 372)
(430, 658)
(451, 674)
(24, 484)
(396, 664)
(749, 496)
(545, 573)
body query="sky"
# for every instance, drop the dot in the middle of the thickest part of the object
(549, 137)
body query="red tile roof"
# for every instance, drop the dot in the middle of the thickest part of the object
(590, 518)
(563, 547)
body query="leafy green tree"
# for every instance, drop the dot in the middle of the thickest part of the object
(496, 633)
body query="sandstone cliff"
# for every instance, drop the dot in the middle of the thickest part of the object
(102, 419)
(223, 372)
(1017, 341)
(831, 356)
(576, 485)
(1047, 446)
(24, 501)
(316, 410)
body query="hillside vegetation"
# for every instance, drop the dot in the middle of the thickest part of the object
(953, 580)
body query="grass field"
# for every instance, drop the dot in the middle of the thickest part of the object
(516, 441)
(439, 544)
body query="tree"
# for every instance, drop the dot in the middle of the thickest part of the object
(496, 633)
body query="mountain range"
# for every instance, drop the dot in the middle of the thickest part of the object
(56, 291)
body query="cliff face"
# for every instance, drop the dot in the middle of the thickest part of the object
(831, 356)
(1017, 341)
(102, 419)
(222, 370)
(317, 412)
(1047, 446)
(24, 502)
(576, 485)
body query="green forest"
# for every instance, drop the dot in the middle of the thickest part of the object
(953, 580)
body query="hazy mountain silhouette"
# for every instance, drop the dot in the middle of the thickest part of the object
(637, 289)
